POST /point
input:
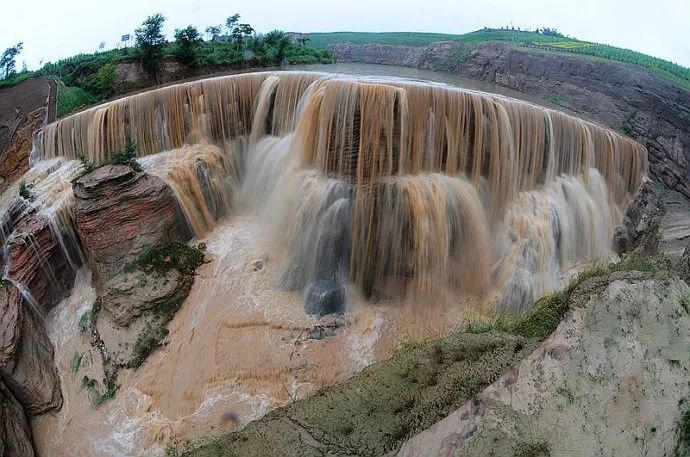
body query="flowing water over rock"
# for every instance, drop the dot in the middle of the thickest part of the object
(400, 204)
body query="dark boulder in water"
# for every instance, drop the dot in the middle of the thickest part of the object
(325, 297)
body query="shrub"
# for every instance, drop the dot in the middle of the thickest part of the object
(26, 191)
(71, 99)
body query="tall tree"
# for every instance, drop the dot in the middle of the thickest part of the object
(150, 41)
(240, 33)
(186, 43)
(231, 22)
(8, 60)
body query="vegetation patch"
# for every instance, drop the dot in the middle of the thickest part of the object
(373, 412)
(71, 99)
(99, 394)
(75, 364)
(538, 449)
(155, 331)
(162, 257)
(26, 191)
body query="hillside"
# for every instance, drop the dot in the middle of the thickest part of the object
(520, 39)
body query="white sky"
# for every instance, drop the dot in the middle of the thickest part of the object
(54, 29)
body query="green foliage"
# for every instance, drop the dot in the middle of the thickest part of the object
(8, 60)
(150, 42)
(71, 99)
(546, 40)
(171, 451)
(85, 322)
(102, 83)
(537, 449)
(75, 364)
(126, 156)
(186, 44)
(152, 337)
(26, 191)
(162, 257)
(16, 78)
(99, 394)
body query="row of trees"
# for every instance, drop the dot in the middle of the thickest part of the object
(231, 43)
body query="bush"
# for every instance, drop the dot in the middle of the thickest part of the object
(186, 44)
(71, 99)
(102, 83)
(26, 191)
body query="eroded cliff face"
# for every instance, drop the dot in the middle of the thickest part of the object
(650, 109)
(118, 212)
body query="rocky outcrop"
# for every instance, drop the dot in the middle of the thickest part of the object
(22, 112)
(41, 259)
(118, 213)
(652, 110)
(26, 356)
(130, 294)
(607, 382)
(15, 160)
(640, 218)
(15, 433)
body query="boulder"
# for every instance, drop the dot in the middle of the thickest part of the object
(325, 297)
(119, 212)
(26, 355)
(15, 433)
(128, 295)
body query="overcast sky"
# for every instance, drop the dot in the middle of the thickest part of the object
(54, 29)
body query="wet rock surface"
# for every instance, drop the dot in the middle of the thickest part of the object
(325, 297)
(15, 433)
(26, 356)
(128, 295)
(119, 212)
(641, 217)
(44, 264)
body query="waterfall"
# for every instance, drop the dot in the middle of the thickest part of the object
(363, 180)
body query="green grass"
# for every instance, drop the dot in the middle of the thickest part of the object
(71, 99)
(523, 39)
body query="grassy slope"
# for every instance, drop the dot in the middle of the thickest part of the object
(373, 412)
(524, 40)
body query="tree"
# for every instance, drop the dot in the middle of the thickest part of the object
(150, 41)
(231, 22)
(8, 60)
(213, 31)
(186, 43)
(278, 42)
(240, 33)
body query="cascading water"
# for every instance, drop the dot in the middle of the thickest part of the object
(394, 178)
(395, 190)
(49, 199)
